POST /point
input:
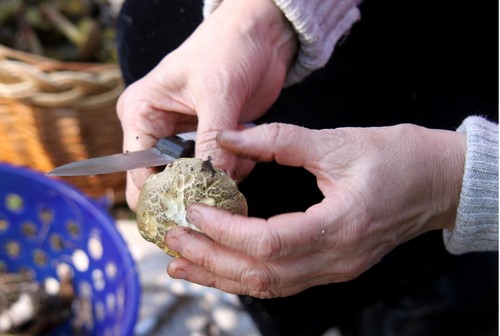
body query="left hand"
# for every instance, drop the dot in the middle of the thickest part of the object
(382, 187)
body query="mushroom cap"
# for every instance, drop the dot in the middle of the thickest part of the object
(166, 196)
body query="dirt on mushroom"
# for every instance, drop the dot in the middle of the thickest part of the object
(166, 196)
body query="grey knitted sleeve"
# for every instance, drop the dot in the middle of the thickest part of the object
(476, 226)
(319, 25)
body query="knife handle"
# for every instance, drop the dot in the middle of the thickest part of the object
(182, 144)
(176, 146)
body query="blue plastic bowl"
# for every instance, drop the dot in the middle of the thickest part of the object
(45, 223)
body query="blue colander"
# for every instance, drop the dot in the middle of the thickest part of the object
(46, 224)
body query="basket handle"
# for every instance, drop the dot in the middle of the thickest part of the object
(40, 81)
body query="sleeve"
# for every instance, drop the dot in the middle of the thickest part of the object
(476, 226)
(319, 25)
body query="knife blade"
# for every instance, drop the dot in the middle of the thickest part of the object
(165, 151)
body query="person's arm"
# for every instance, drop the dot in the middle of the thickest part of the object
(229, 71)
(382, 186)
(319, 24)
(476, 226)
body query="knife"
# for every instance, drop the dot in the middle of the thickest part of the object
(165, 151)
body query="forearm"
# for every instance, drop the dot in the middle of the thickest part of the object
(318, 24)
(476, 226)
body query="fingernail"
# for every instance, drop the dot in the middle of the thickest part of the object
(176, 272)
(233, 138)
(193, 215)
(173, 242)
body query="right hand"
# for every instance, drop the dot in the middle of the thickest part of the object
(230, 70)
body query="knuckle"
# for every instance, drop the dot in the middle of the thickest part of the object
(257, 280)
(268, 247)
(123, 102)
(212, 281)
(120, 105)
(206, 261)
(276, 130)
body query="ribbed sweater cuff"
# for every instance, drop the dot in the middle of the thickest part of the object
(319, 25)
(209, 6)
(476, 226)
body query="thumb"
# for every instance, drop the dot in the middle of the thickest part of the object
(287, 144)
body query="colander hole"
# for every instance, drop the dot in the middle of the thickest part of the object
(73, 228)
(111, 270)
(56, 242)
(85, 289)
(64, 271)
(29, 229)
(4, 224)
(98, 279)
(46, 215)
(111, 303)
(52, 286)
(13, 249)
(100, 311)
(84, 316)
(40, 258)
(95, 247)
(120, 301)
(14, 203)
(80, 260)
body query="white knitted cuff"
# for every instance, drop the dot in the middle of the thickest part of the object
(476, 226)
(209, 6)
(319, 25)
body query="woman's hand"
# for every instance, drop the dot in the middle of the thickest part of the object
(230, 70)
(382, 187)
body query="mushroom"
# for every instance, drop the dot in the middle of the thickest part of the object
(165, 197)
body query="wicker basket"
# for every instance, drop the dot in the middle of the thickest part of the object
(53, 113)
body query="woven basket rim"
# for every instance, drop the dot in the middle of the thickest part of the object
(41, 81)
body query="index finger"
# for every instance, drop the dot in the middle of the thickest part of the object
(279, 236)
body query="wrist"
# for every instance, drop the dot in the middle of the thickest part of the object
(448, 150)
(432, 166)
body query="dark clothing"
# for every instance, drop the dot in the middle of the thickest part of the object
(426, 62)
